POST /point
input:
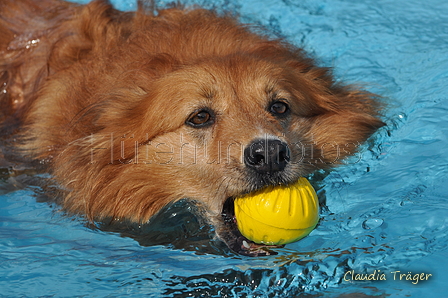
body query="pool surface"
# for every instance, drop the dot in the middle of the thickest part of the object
(387, 207)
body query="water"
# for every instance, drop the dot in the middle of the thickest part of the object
(386, 212)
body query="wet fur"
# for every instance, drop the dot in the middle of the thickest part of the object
(102, 98)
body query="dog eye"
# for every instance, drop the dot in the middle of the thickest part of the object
(200, 118)
(279, 108)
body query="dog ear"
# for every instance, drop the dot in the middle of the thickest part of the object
(38, 38)
(337, 135)
(346, 115)
(78, 37)
(350, 117)
(25, 42)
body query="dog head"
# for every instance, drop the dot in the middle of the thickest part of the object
(137, 111)
(225, 126)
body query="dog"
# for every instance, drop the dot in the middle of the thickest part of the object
(130, 111)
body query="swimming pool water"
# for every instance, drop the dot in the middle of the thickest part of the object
(387, 207)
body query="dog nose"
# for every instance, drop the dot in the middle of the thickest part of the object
(267, 156)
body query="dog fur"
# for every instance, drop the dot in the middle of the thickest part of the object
(105, 100)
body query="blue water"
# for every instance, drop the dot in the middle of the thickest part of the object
(387, 207)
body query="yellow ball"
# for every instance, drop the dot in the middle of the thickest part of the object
(278, 215)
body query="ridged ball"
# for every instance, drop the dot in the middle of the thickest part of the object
(278, 215)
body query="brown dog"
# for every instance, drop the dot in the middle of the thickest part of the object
(131, 111)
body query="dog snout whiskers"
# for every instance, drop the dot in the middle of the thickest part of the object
(267, 155)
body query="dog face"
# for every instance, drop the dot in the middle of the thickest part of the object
(232, 131)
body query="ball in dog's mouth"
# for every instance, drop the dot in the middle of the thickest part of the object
(271, 217)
